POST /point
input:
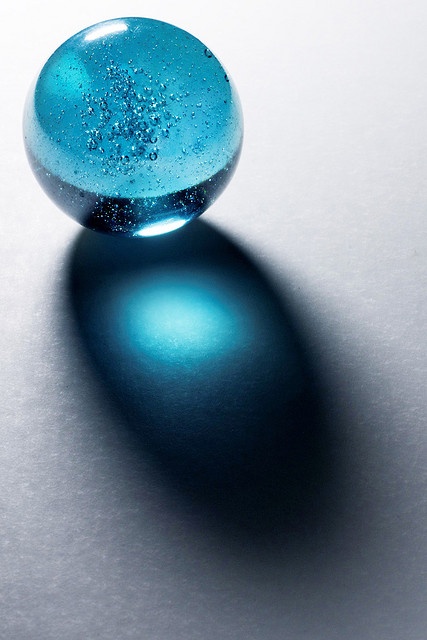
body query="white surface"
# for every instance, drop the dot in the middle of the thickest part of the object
(330, 197)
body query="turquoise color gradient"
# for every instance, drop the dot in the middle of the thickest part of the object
(133, 127)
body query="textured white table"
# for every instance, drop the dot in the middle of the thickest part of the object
(330, 200)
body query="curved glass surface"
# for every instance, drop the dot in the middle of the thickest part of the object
(133, 127)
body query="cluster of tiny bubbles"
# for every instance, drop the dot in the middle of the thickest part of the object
(133, 127)
(144, 119)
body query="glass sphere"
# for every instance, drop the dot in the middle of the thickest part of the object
(133, 127)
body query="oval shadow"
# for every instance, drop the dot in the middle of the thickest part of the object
(208, 366)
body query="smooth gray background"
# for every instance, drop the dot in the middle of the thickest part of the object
(330, 200)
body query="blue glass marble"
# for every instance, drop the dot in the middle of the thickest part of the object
(133, 127)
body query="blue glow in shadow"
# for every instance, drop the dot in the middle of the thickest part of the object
(179, 317)
(207, 365)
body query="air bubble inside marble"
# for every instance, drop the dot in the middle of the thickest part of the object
(133, 127)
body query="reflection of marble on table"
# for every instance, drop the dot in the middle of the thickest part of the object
(329, 202)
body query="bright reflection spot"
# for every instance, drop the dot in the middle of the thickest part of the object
(160, 228)
(180, 319)
(105, 30)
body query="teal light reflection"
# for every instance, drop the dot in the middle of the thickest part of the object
(203, 360)
(179, 318)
